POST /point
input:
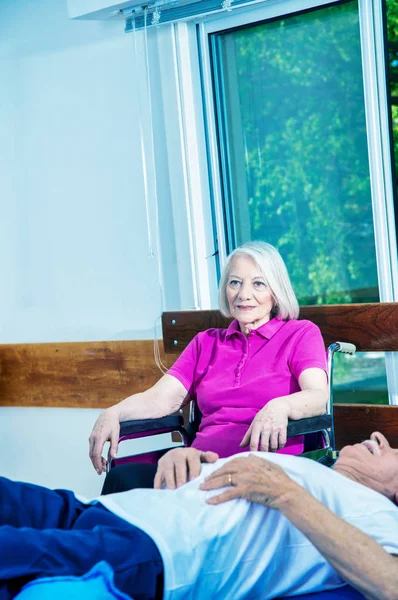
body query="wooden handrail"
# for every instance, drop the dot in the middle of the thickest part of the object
(355, 422)
(372, 327)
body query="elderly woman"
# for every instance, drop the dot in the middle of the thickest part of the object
(248, 380)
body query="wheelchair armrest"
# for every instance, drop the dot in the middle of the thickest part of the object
(309, 425)
(142, 425)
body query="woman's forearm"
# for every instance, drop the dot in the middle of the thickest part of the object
(313, 397)
(139, 406)
(162, 399)
(357, 558)
(306, 403)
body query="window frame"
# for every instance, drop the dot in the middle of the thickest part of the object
(193, 49)
(377, 124)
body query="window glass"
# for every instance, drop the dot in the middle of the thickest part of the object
(392, 48)
(360, 378)
(294, 161)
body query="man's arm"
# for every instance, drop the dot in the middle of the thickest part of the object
(357, 558)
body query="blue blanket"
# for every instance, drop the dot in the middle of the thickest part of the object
(98, 584)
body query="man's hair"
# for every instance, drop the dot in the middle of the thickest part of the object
(273, 269)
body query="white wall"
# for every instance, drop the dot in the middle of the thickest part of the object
(74, 260)
(75, 233)
(49, 446)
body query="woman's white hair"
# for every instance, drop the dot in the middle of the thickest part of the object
(273, 269)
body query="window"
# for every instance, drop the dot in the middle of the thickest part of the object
(296, 168)
(392, 49)
(289, 102)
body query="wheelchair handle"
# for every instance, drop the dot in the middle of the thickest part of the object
(346, 347)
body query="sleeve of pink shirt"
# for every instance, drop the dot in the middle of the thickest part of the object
(185, 366)
(308, 350)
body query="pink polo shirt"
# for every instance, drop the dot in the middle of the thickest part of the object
(232, 377)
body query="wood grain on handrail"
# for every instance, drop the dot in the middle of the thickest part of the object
(355, 422)
(99, 374)
(371, 327)
(76, 374)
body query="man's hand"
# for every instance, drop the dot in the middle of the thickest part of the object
(268, 429)
(253, 478)
(181, 465)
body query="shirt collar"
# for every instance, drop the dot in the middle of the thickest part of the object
(266, 331)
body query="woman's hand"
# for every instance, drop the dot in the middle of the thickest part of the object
(106, 429)
(180, 465)
(268, 429)
(253, 478)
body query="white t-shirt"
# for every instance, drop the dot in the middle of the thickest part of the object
(241, 550)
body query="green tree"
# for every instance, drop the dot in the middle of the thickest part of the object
(301, 113)
(295, 122)
(392, 35)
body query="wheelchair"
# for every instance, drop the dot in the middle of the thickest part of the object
(170, 432)
(165, 433)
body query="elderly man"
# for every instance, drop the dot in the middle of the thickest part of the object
(257, 526)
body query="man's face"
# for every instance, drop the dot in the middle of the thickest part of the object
(373, 463)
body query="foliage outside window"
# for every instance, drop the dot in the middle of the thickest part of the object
(294, 158)
(392, 46)
(295, 123)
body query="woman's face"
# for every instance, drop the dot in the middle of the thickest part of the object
(250, 301)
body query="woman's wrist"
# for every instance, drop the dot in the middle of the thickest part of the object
(131, 408)
(115, 411)
(280, 404)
